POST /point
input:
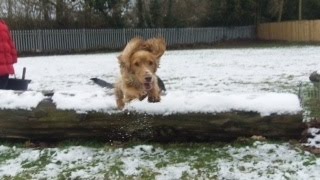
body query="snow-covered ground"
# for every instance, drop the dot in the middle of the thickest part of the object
(257, 161)
(200, 80)
(220, 70)
(263, 80)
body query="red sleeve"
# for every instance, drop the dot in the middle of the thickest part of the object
(10, 44)
(13, 50)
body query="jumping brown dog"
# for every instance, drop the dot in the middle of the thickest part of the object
(139, 62)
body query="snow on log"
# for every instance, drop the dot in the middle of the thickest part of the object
(178, 117)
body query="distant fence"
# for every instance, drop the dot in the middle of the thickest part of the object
(297, 31)
(90, 39)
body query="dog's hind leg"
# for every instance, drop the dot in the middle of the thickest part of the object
(119, 97)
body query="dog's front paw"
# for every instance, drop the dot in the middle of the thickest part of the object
(120, 104)
(154, 99)
(142, 96)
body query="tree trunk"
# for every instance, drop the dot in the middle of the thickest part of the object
(45, 10)
(300, 10)
(60, 10)
(280, 10)
(10, 7)
(46, 123)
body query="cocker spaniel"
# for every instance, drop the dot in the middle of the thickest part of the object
(139, 62)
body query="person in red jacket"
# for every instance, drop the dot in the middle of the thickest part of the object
(8, 54)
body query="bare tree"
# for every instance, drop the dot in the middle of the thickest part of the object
(45, 9)
(191, 12)
(276, 8)
(281, 4)
(300, 9)
(10, 6)
(6, 8)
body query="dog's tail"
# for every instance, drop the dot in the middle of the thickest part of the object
(161, 84)
(102, 83)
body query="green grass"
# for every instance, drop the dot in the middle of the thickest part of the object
(311, 100)
(8, 155)
(201, 158)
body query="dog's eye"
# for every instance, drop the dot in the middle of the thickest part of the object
(136, 64)
(150, 63)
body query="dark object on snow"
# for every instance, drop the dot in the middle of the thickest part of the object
(314, 77)
(4, 81)
(18, 84)
(102, 83)
(161, 84)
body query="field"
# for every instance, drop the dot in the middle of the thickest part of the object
(242, 73)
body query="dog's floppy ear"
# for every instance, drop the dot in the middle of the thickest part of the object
(132, 46)
(156, 46)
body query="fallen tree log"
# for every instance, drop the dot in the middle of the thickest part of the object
(47, 123)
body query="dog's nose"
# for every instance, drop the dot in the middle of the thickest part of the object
(148, 79)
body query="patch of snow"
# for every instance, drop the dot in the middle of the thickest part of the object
(83, 101)
(77, 154)
(14, 166)
(261, 161)
(267, 161)
(133, 159)
(215, 70)
(176, 171)
(182, 102)
(51, 172)
(70, 158)
(68, 72)
(231, 72)
(173, 102)
(4, 149)
(314, 141)
(19, 100)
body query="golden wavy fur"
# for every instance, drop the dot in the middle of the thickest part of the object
(139, 62)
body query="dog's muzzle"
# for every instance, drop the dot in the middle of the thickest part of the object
(147, 83)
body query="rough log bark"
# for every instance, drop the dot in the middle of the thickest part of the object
(46, 123)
